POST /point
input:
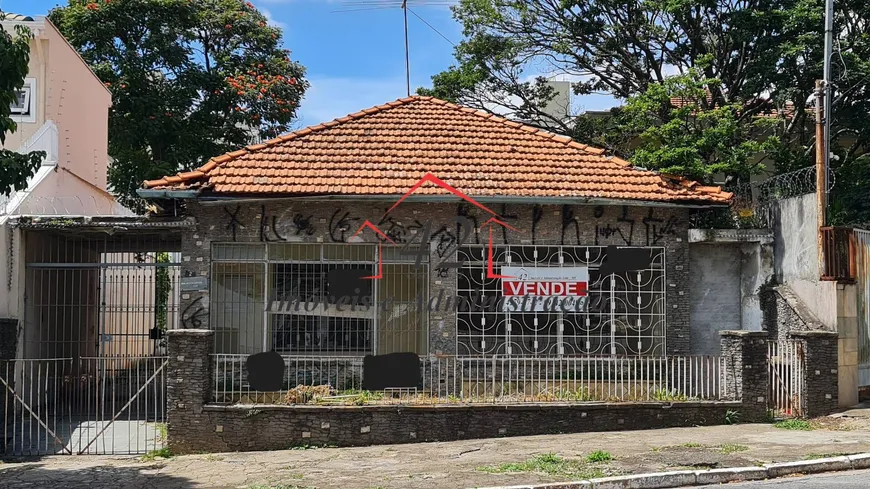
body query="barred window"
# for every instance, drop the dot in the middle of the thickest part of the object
(317, 299)
(624, 313)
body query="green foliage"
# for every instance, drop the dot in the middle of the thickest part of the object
(754, 58)
(154, 454)
(729, 448)
(15, 168)
(794, 424)
(599, 456)
(550, 464)
(732, 417)
(580, 394)
(306, 446)
(189, 81)
(668, 395)
(694, 139)
(163, 286)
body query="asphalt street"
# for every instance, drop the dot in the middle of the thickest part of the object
(859, 479)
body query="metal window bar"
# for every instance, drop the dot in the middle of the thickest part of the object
(277, 297)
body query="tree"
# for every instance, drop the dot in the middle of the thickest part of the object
(189, 80)
(15, 168)
(679, 132)
(764, 56)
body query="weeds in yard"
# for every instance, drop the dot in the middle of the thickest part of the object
(213, 458)
(599, 456)
(666, 395)
(793, 424)
(732, 417)
(154, 454)
(550, 464)
(729, 448)
(816, 456)
(306, 446)
(725, 449)
(162, 431)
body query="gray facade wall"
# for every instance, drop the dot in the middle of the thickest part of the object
(715, 294)
(336, 221)
(796, 256)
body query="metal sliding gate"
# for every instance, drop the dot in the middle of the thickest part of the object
(862, 279)
(91, 373)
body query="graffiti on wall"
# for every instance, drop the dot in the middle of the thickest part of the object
(608, 226)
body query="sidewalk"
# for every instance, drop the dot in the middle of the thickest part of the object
(462, 464)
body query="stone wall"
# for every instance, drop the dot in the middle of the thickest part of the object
(746, 374)
(260, 427)
(785, 313)
(337, 221)
(820, 372)
(196, 426)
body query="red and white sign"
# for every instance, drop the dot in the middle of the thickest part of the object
(545, 289)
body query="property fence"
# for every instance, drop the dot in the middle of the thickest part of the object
(785, 360)
(493, 380)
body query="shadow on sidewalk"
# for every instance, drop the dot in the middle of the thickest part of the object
(39, 474)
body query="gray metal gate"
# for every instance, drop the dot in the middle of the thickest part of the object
(862, 278)
(91, 374)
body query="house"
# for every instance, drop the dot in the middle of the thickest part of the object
(62, 109)
(285, 229)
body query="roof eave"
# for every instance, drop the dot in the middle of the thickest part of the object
(495, 199)
(151, 193)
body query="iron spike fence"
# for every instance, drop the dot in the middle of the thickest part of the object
(311, 380)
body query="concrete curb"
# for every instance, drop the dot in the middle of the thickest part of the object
(685, 478)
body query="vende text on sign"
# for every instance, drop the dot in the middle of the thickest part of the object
(544, 289)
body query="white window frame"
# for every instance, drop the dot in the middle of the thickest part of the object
(30, 85)
(368, 256)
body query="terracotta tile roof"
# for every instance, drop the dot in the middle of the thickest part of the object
(386, 149)
(770, 111)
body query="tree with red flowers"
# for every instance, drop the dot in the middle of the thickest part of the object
(190, 79)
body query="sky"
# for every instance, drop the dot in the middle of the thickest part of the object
(354, 54)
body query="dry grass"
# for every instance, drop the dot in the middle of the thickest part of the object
(303, 394)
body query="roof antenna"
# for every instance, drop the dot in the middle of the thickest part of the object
(407, 49)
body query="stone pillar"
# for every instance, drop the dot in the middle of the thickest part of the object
(819, 396)
(189, 385)
(746, 374)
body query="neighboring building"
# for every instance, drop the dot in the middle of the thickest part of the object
(275, 220)
(62, 109)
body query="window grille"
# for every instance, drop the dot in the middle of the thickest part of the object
(289, 298)
(624, 313)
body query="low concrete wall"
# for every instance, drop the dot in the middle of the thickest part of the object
(265, 427)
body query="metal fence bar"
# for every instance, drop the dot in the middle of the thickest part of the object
(785, 368)
(34, 418)
(493, 380)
